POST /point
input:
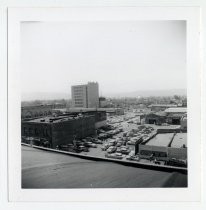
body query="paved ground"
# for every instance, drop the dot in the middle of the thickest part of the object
(41, 169)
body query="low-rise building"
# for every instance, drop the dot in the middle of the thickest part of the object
(165, 146)
(176, 110)
(161, 107)
(155, 118)
(57, 130)
(174, 115)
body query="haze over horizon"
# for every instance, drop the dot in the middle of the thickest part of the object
(66, 96)
(123, 56)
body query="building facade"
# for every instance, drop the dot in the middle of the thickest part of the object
(99, 114)
(160, 107)
(157, 118)
(166, 147)
(85, 96)
(58, 130)
(79, 96)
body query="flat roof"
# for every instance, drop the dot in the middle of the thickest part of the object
(161, 114)
(163, 105)
(176, 110)
(179, 140)
(60, 109)
(43, 169)
(56, 119)
(161, 139)
(92, 109)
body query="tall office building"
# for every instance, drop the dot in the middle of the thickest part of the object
(85, 96)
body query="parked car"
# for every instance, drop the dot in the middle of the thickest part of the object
(129, 143)
(120, 129)
(119, 143)
(88, 144)
(84, 149)
(111, 149)
(105, 147)
(114, 155)
(132, 157)
(102, 136)
(118, 150)
(97, 141)
(89, 138)
(125, 151)
(93, 145)
(112, 141)
(79, 143)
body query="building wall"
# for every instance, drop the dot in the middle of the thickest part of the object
(37, 130)
(93, 94)
(160, 153)
(171, 152)
(179, 153)
(61, 132)
(100, 118)
(85, 96)
(157, 108)
(183, 124)
(79, 96)
(100, 124)
(168, 130)
(153, 118)
(65, 132)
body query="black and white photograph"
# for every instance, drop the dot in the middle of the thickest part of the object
(104, 104)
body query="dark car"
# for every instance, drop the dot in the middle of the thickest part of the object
(83, 148)
(88, 144)
(125, 151)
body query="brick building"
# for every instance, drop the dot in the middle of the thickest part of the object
(59, 130)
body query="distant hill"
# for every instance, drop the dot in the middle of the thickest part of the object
(44, 96)
(142, 93)
(147, 93)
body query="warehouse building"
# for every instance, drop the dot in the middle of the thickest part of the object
(54, 131)
(177, 110)
(174, 115)
(165, 146)
(155, 118)
(160, 107)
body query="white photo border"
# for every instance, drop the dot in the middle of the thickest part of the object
(192, 16)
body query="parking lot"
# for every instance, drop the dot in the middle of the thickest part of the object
(116, 140)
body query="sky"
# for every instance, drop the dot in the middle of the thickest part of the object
(122, 56)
